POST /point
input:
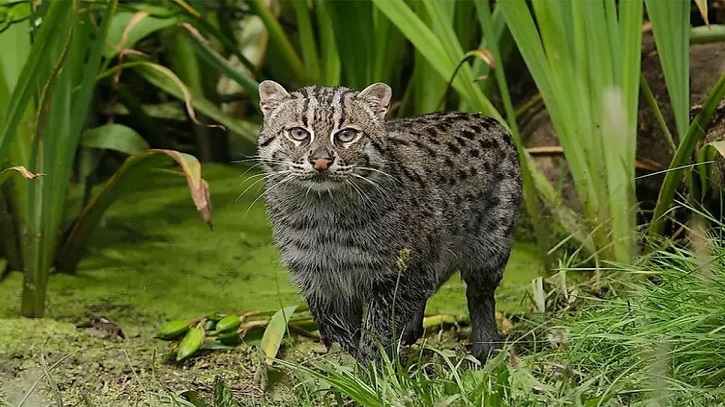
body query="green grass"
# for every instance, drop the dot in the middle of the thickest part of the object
(655, 339)
(655, 332)
(666, 335)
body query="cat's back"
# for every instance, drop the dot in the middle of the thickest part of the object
(453, 152)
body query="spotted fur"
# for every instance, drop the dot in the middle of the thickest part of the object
(445, 187)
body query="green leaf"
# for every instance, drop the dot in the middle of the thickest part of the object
(440, 48)
(46, 40)
(215, 316)
(279, 39)
(330, 64)
(307, 39)
(64, 100)
(192, 342)
(127, 28)
(12, 13)
(274, 333)
(194, 398)
(229, 338)
(208, 28)
(584, 58)
(488, 25)
(356, 53)
(134, 172)
(115, 137)
(670, 26)
(205, 51)
(165, 80)
(719, 146)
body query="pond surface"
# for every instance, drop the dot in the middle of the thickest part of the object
(154, 259)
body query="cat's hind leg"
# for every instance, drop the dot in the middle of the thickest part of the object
(481, 282)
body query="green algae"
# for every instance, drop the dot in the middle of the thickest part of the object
(153, 259)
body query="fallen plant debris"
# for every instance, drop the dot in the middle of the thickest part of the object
(219, 331)
(222, 331)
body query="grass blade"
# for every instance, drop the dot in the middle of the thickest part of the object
(307, 40)
(165, 80)
(120, 37)
(584, 58)
(115, 137)
(330, 64)
(274, 333)
(356, 54)
(46, 197)
(670, 25)
(47, 38)
(206, 52)
(280, 39)
(530, 198)
(429, 44)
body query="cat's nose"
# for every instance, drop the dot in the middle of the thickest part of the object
(321, 164)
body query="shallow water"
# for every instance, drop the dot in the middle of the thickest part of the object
(154, 259)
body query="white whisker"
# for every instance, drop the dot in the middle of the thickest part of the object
(283, 181)
(374, 184)
(262, 177)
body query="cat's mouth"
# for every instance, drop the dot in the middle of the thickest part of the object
(320, 180)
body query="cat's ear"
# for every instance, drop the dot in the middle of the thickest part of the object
(378, 97)
(271, 94)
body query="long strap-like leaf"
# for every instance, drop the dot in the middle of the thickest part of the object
(25, 88)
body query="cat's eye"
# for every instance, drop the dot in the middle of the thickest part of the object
(298, 134)
(346, 135)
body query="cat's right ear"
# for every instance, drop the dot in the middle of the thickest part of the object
(271, 94)
(377, 96)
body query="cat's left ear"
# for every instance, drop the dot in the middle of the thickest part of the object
(271, 94)
(378, 97)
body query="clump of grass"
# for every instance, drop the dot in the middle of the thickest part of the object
(438, 378)
(434, 382)
(656, 338)
(662, 338)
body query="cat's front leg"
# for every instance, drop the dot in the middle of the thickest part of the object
(394, 304)
(339, 319)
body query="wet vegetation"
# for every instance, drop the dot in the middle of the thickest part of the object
(136, 260)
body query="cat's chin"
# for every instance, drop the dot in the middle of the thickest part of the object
(319, 184)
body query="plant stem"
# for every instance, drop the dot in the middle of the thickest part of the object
(707, 33)
(657, 112)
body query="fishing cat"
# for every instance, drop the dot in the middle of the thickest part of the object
(372, 216)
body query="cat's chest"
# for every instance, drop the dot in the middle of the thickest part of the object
(336, 260)
(325, 241)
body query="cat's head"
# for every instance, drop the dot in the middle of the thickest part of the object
(323, 137)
